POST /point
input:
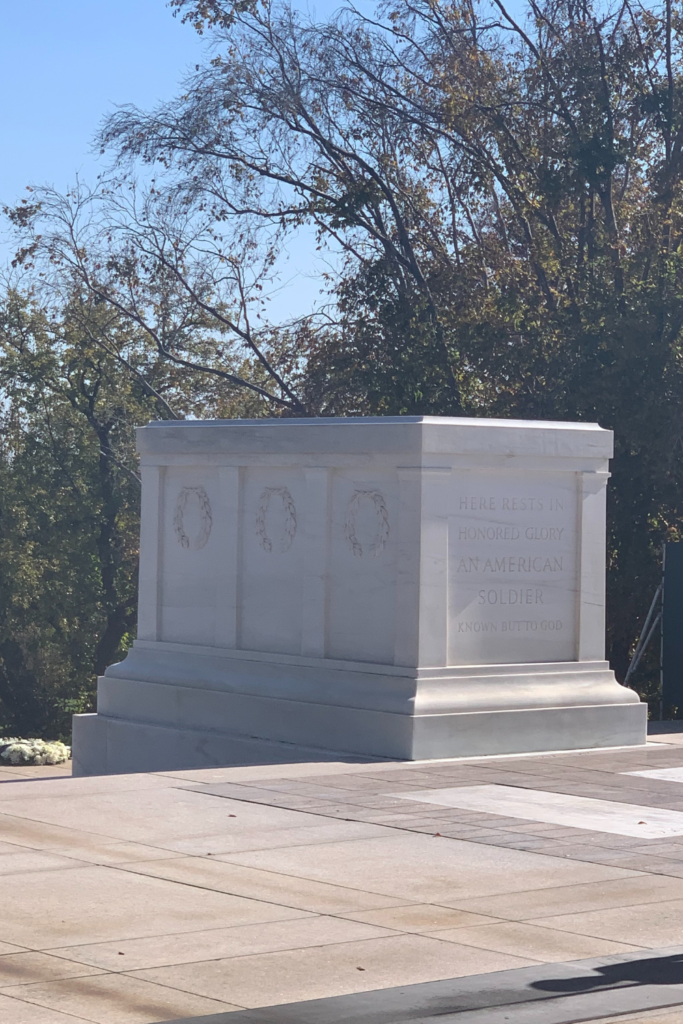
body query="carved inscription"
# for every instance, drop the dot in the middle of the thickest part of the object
(512, 566)
(510, 533)
(371, 536)
(192, 519)
(280, 520)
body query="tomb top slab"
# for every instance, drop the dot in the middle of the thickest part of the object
(409, 435)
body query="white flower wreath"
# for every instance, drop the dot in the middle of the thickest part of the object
(382, 515)
(289, 528)
(204, 514)
(18, 751)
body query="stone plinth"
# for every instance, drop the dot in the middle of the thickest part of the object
(400, 587)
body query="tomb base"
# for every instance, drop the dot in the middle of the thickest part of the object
(174, 706)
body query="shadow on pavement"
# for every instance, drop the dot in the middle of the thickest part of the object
(661, 970)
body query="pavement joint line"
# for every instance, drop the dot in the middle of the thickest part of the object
(130, 972)
(54, 950)
(258, 899)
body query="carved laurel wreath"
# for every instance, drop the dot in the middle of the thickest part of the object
(382, 532)
(289, 530)
(204, 514)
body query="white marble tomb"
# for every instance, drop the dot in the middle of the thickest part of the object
(410, 587)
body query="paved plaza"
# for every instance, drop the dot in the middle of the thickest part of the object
(322, 893)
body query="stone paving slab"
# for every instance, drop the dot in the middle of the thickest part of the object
(30, 771)
(551, 994)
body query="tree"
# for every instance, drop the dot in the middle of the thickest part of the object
(74, 384)
(503, 194)
(68, 535)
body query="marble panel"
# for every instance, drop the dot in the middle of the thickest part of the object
(362, 576)
(512, 553)
(559, 808)
(271, 570)
(661, 774)
(189, 555)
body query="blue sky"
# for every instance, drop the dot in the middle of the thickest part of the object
(65, 64)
